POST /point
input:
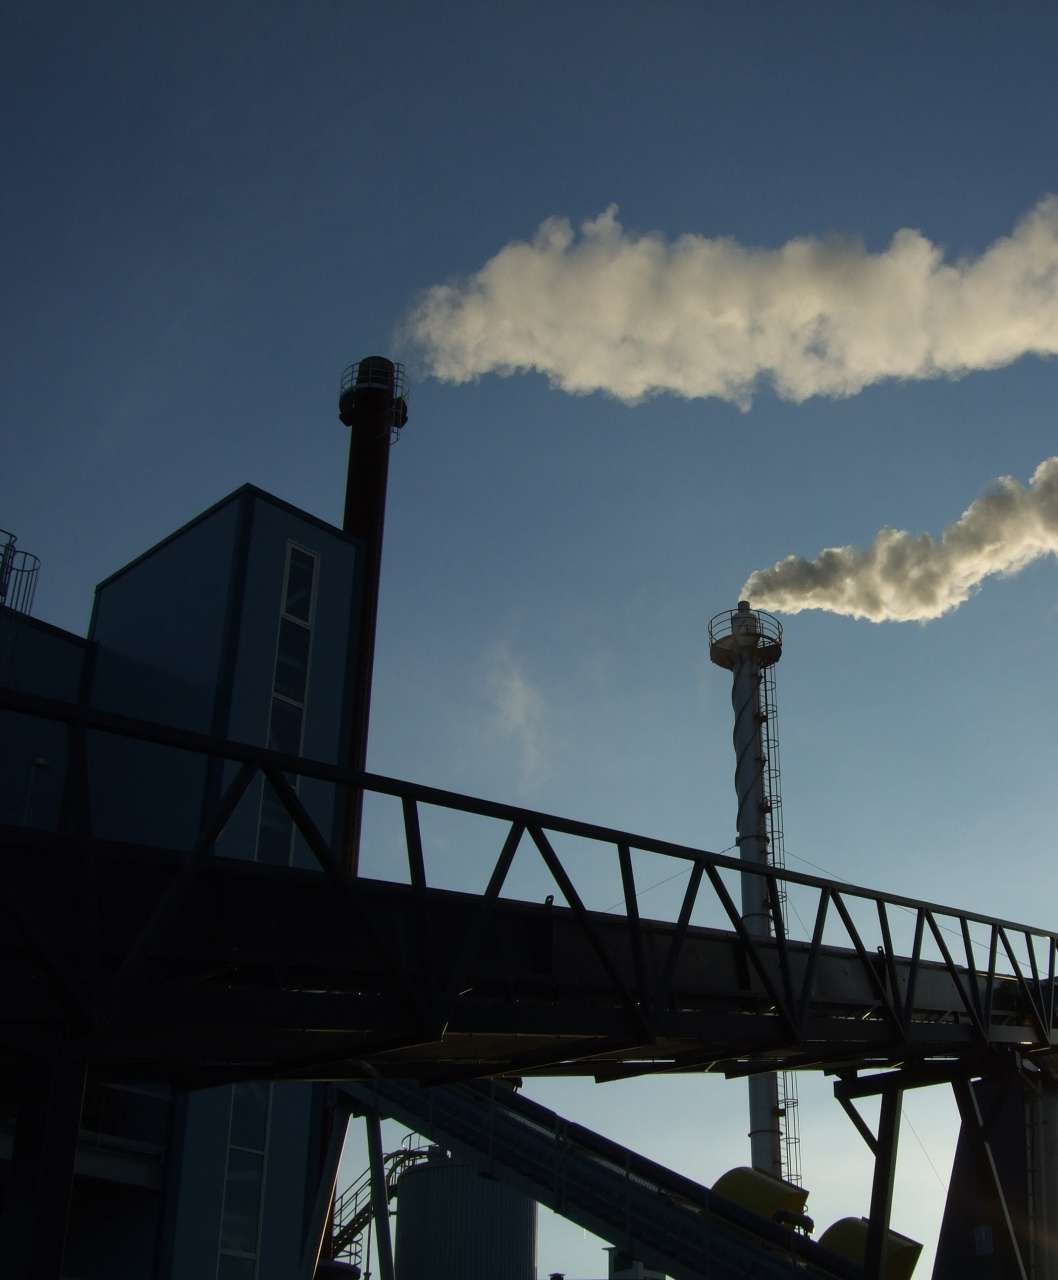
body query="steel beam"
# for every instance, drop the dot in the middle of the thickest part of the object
(876, 1254)
(379, 1194)
(336, 1116)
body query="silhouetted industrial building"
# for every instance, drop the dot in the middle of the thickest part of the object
(239, 624)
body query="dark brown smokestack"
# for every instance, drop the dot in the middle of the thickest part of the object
(371, 403)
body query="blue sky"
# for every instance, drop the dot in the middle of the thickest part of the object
(212, 208)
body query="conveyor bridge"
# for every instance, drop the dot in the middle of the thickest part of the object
(123, 961)
(669, 1222)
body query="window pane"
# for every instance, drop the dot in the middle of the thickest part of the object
(236, 1268)
(292, 660)
(284, 728)
(249, 1114)
(273, 836)
(242, 1201)
(299, 584)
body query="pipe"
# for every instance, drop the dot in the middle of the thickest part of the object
(379, 1194)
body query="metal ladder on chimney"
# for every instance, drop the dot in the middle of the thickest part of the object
(788, 1105)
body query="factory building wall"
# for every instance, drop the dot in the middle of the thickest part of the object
(289, 1178)
(192, 634)
(159, 628)
(166, 612)
(45, 660)
(241, 1199)
(238, 1193)
(195, 1186)
(263, 624)
(305, 687)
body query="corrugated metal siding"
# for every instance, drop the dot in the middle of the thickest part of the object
(454, 1224)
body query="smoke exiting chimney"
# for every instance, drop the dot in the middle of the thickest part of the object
(903, 577)
(601, 308)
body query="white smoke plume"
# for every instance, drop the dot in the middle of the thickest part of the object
(607, 310)
(904, 577)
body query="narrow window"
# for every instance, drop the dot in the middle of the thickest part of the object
(284, 727)
(242, 1201)
(301, 578)
(292, 660)
(231, 1268)
(290, 683)
(240, 1223)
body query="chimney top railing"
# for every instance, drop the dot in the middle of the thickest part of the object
(18, 575)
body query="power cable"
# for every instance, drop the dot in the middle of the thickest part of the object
(827, 871)
(929, 1158)
(686, 871)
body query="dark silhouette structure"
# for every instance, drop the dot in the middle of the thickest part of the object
(184, 922)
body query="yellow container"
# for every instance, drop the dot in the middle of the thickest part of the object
(759, 1192)
(848, 1239)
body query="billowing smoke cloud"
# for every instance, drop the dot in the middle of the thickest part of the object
(628, 314)
(903, 577)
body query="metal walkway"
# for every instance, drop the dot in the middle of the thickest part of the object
(666, 1220)
(124, 960)
(136, 960)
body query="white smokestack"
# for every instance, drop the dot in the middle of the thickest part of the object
(607, 310)
(902, 577)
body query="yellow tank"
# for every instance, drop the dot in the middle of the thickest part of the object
(759, 1192)
(848, 1239)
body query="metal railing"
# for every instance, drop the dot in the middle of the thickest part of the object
(18, 575)
(375, 374)
(732, 625)
(1000, 992)
(353, 1209)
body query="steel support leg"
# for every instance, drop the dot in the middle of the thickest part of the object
(974, 1124)
(33, 1234)
(319, 1220)
(379, 1197)
(874, 1260)
(1042, 1117)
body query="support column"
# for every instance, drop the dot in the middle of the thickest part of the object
(976, 1129)
(379, 1196)
(875, 1256)
(1041, 1122)
(319, 1222)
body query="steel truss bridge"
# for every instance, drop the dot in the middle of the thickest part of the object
(122, 961)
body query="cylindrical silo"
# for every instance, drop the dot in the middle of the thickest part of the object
(454, 1223)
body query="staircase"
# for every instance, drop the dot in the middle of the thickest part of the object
(353, 1208)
